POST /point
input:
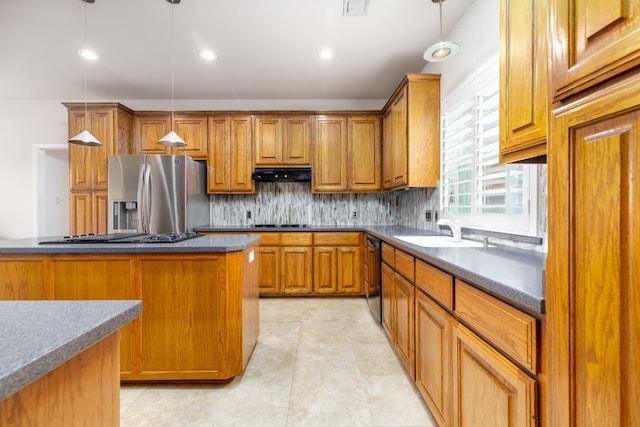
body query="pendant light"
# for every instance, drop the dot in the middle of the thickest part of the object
(442, 50)
(172, 139)
(85, 137)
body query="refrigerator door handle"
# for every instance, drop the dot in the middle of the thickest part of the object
(140, 197)
(147, 198)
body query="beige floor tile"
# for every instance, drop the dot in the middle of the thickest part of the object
(252, 401)
(319, 362)
(395, 402)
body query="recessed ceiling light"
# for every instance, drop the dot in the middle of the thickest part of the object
(88, 54)
(327, 54)
(207, 54)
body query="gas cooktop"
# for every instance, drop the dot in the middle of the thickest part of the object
(122, 238)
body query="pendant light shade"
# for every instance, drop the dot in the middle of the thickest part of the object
(85, 137)
(172, 139)
(442, 50)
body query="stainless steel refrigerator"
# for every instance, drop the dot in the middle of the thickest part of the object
(156, 194)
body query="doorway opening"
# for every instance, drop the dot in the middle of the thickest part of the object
(51, 180)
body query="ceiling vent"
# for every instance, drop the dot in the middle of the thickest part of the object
(355, 7)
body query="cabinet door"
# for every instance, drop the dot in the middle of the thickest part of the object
(22, 280)
(269, 270)
(399, 140)
(364, 153)
(80, 156)
(593, 295)
(297, 277)
(296, 141)
(241, 162)
(488, 389)
(147, 131)
(330, 154)
(81, 212)
(387, 151)
(103, 128)
(219, 155)
(325, 274)
(404, 316)
(267, 140)
(433, 357)
(523, 79)
(99, 205)
(388, 302)
(98, 280)
(594, 40)
(193, 130)
(349, 274)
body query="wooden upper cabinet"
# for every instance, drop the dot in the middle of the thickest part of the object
(111, 124)
(593, 40)
(193, 130)
(365, 140)
(296, 134)
(347, 154)
(148, 128)
(330, 154)
(523, 80)
(411, 135)
(281, 140)
(229, 163)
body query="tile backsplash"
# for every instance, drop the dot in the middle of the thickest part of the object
(293, 203)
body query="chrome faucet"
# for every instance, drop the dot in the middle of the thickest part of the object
(456, 230)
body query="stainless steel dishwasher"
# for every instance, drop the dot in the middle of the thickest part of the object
(373, 289)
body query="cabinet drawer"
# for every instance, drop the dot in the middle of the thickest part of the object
(506, 328)
(270, 239)
(336, 239)
(296, 239)
(388, 254)
(405, 265)
(437, 284)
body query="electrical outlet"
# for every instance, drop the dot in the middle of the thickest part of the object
(355, 215)
(248, 214)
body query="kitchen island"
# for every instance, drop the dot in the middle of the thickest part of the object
(200, 298)
(59, 361)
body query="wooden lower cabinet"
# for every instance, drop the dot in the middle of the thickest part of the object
(433, 357)
(200, 311)
(388, 290)
(297, 274)
(269, 260)
(337, 270)
(404, 339)
(489, 390)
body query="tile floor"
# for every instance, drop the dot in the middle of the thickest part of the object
(319, 362)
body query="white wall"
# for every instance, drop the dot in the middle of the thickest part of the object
(23, 124)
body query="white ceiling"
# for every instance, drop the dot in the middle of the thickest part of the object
(267, 49)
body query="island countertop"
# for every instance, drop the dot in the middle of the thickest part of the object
(201, 244)
(38, 336)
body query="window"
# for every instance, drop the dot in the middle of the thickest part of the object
(475, 188)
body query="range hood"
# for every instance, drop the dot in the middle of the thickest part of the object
(282, 175)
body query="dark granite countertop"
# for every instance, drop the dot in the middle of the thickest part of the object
(201, 244)
(514, 276)
(38, 336)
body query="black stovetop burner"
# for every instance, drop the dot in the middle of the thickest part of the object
(280, 225)
(123, 238)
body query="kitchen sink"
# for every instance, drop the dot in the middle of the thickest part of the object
(439, 242)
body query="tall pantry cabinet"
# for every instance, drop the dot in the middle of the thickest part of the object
(593, 267)
(111, 124)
